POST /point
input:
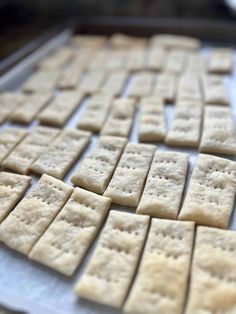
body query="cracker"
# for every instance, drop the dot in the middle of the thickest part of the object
(120, 119)
(9, 138)
(161, 282)
(121, 41)
(152, 126)
(135, 59)
(115, 83)
(66, 241)
(96, 112)
(213, 275)
(176, 62)
(189, 87)
(30, 107)
(165, 87)
(221, 61)
(218, 134)
(115, 61)
(92, 81)
(12, 188)
(156, 59)
(114, 261)
(31, 217)
(164, 187)
(214, 90)
(175, 42)
(98, 62)
(141, 84)
(70, 77)
(210, 195)
(9, 101)
(186, 126)
(60, 109)
(95, 172)
(196, 64)
(29, 149)
(57, 59)
(62, 153)
(41, 81)
(126, 185)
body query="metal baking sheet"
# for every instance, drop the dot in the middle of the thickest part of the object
(30, 287)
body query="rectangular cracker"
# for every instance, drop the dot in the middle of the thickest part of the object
(29, 149)
(120, 119)
(123, 41)
(135, 59)
(126, 185)
(214, 90)
(96, 112)
(115, 83)
(213, 274)
(62, 153)
(210, 195)
(70, 77)
(196, 64)
(9, 101)
(176, 62)
(165, 87)
(152, 127)
(218, 134)
(95, 172)
(186, 126)
(41, 81)
(160, 285)
(114, 261)
(60, 109)
(92, 81)
(189, 87)
(66, 241)
(141, 84)
(30, 107)
(115, 61)
(58, 59)
(31, 217)
(98, 62)
(175, 42)
(164, 187)
(9, 138)
(156, 59)
(221, 61)
(12, 188)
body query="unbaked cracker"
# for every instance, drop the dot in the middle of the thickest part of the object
(12, 188)
(126, 185)
(160, 285)
(221, 61)
(31, 217)
(213, 275)
(66, 241)
(58, 59)
(210, 195)
(165, 87)
(141, 84)
(189, 87)
(156, 59)
(135, 59)
(214, 90)
(95, 172)
(175, 42)
(70, 77)
(62, 153)
(176, 62)
(114, 261)
(29, 149)
(165, 183)
(92, 81)
(114, 83)
(9, 101)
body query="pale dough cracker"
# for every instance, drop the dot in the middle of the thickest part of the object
(196, 64)
(70, 77)
(61, 108)
(116, 61)
(9, 101)
(165, 87)
(156, 59)
(31, 217)
(161, 282)
(9, 138)
(30, 107)
(175, 42)
(214, 90)
(213, 275)
(115, 83)
(135, 59)
(221, 61)
(98, 62)
(122, 41)
(62, 153)
(66, 241)
(218, 134)
(92, 81)
(41, 81)
(12, 188)
(186, 126)
(58, 59)
(126, 185)
(164, 187)
(152, 127)
(210, 195)
(189, 87)
(89, 41)
(176, 62)
(95, 172)
(110, 271)
(96, 112)
(141, 84)
(29, 149)
(120, 119)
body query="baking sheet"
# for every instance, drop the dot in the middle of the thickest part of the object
(30, 287)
